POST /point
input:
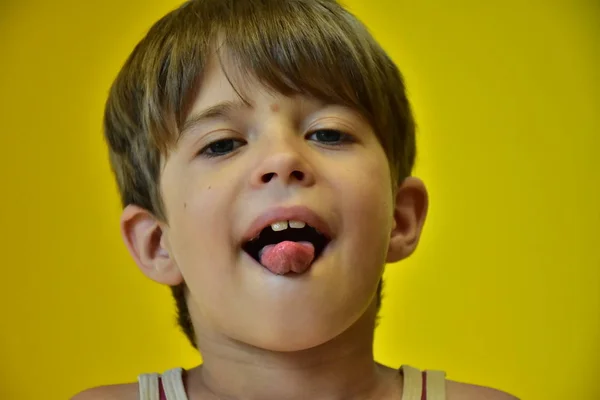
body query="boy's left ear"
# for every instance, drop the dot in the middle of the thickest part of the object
(410, 210)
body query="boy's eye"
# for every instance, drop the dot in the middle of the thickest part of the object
(330, 136)
(221, 147)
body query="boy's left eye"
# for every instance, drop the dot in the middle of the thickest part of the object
(330, 136)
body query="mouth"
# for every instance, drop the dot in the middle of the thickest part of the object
(282, 231)
(286, 240)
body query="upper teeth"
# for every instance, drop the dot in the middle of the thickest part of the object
(283, 225)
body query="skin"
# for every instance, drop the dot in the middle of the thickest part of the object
(264, 336)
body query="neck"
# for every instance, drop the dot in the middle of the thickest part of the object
(342, 368)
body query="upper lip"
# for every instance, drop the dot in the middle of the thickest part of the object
(295, 213)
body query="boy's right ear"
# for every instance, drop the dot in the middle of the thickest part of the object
(147, 243)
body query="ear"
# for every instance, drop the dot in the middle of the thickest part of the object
(147, 242)
(410, 210)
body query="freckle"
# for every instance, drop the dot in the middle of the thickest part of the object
(274, 107)
(184, 205)
(209, 187)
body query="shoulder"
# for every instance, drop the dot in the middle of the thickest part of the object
(128, 391)
(464, 391)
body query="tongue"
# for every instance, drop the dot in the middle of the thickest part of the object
(287, 256)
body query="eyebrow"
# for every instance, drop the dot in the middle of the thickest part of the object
(220, 110)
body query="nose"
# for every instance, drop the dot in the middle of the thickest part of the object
(285, 165)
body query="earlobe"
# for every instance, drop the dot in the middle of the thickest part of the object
(147, 243)
(410, 211)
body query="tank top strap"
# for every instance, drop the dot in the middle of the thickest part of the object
(172, 382)
(435, 384)
(148, 387)
(412, 389)
(427, 385)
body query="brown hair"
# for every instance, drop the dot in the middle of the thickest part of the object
(310, 47)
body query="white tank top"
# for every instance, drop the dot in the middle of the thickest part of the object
(427, 385)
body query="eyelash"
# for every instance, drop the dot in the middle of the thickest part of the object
(205, 151)
(344, 138)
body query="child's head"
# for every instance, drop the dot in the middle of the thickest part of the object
(231, 111)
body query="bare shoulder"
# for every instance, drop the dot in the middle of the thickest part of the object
(128, 391)
(464, 391)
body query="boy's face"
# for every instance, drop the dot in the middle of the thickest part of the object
(243, 162)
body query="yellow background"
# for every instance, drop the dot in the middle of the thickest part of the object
(505, 288)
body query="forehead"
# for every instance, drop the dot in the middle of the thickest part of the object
(215, 84)
(224, 88)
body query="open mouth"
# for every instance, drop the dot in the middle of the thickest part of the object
(293, 231)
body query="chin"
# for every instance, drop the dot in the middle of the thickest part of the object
(289, 344)
(291, 334)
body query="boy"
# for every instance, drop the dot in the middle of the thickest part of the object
(263, 151)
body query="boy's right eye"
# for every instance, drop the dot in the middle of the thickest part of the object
(221, 147)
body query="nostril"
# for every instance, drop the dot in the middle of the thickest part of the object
(266, 178)
(299, 175)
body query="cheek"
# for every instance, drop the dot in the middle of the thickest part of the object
(370, 192)
(366, 202)
(201, 240)
(198, 222)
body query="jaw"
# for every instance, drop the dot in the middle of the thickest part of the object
(295, 312)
